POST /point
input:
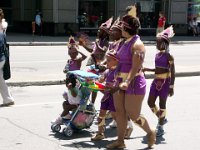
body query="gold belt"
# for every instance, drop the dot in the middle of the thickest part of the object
(163, 75)
(125, 75)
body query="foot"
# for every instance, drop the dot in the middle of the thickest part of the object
(116, 145)
(151, 138)
(57, 121)
(113, 124)
(98, 137)
(7, 104)
(159, 131)
(128, 133)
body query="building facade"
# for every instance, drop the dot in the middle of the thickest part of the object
(69, 16)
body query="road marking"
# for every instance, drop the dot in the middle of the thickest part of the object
(35, 104)
(47, 61)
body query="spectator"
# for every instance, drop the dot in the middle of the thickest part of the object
(161, 23)
(194, 26)
(5, 93)
(38, 22)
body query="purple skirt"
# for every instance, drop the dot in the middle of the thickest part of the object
(137, 86)
(160, 87)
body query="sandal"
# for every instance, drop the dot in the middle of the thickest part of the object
(116, 144)
(151, 138)
(128, 133)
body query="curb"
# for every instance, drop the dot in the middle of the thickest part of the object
(59, 82)
(65, 43)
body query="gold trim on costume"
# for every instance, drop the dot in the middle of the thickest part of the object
(125, 75)
(163, 75)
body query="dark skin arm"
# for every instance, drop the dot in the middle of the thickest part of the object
(172, 70)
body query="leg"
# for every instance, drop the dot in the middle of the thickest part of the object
(94, 95)
(162, 111)
(152, 105)
(133, 104)
(66, 108)
(7, 98)
(101, 126)
(121, 120)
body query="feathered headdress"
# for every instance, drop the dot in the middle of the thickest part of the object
(106, 25)
(72, 43)
(117, 24)
(166, 34)
(133, 11)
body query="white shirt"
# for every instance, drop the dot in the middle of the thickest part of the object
(38, 20)
(75, 100)
(3, 26)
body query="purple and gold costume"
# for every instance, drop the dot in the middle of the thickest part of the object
(73, 65)
(138, 84)
(161, 83)
(107, 100)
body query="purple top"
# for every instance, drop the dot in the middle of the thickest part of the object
(161, 60)
(125, 55)
(116, 45)
(109, 76)
(73, 65)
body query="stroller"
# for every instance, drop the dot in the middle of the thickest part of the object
(84, 115)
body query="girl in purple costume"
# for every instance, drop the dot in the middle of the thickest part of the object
(163, 83)
(128, 100)
(74, 63)
(99, 49)
(107, 100)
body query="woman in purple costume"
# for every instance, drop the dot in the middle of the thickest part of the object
(74, 63)
(107, 101)
(163, 83)
(128, 100)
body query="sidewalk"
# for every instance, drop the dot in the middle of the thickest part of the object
(18, 39)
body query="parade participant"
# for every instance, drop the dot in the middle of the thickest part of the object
(107, 101)
(128, 100)
(99, 49)
(117, 42)
(163, 83)
(75, 61)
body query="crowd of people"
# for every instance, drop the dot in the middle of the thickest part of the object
(117, 57)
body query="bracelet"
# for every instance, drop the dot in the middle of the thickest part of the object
(127, 81)
(171, 86)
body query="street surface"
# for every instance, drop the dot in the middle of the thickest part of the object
(26, 125)
(46, 63)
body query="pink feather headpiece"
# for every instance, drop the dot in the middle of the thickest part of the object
(117, 24)
(72, 44)
(106, 25)
(166, 34)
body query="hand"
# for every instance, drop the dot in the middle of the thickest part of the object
(123, 86)
(171, 91)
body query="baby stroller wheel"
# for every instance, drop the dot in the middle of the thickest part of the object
(55, 127)
(68, 131)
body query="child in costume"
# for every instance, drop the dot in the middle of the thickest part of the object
(107, 100)
(75, 61)
(72, 98)
(99, 49)
(163, 83)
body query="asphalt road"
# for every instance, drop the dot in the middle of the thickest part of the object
(46, 63)
(26, 126)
